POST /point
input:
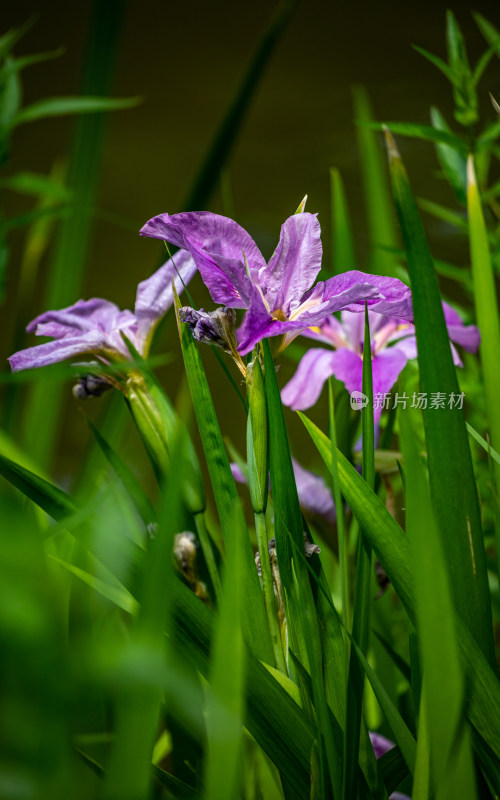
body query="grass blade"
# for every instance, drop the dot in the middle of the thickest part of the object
(453, 488)
(452, 162)
(226, 496)
(123, 472)
(392, 548)
(343, 254)
(272, 717)
(443, 677)
(225, 138)
(59, 106)
(378, 205)
(54, 501)
(486, 303)
(226, 693)
(425, 132)
(362, 598)
(64, 285)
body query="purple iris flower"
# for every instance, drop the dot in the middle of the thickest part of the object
(95, 327)
(278, 294)
(393, 344)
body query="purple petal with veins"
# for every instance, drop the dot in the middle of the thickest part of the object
(219, 247)
(314, 368)
(295, 263)
(84, 315)
(155, 296)
(43, 355)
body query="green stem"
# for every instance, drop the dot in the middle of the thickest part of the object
(207, 549)
(267, 585)
(339, 507)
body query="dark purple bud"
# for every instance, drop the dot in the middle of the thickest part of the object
(212, 327)
(90, 386)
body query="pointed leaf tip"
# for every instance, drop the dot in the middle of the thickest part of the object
(494, 103)
(302, 205)
(392, 150)
(471, 175)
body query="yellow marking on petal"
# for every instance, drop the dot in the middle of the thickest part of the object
(315, 328)
(278, 315)
(305, 307)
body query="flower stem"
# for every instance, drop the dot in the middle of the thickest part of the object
(267, 585)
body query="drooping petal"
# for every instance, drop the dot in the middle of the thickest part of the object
(388, 296)
(155, 296)
(294, 264)
(467, 336)
(348, 368)
(219, 247)
(84, 315)
(303, 390)
(314, 494)
(59, 350)
(386, 367)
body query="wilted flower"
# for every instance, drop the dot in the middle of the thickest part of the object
(96, 327)
(277, 295)
(393, 343)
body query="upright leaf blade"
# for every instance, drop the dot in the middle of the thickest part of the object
(343, 254)
(64, 284)
(453, 487)
(226, 496)
(443, 674)
(485, 298)
(379, 211)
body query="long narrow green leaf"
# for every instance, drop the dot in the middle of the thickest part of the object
(117, 595)
(54, 501)
(139, 695)
(378, 205)
(362, 598)
(226, 496)
(438, 62)
(343, 253)
(464, 91)
(452, 162)
(453, 487)
(484, 444)
(43, 410)
(226, 135)
(451, 763)
(288, 516)
(126, 476)
(392, 549)
(402, 735)
(485, 298)
(226, 692)
(58, 106)
(426, 132)
(272, 717)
